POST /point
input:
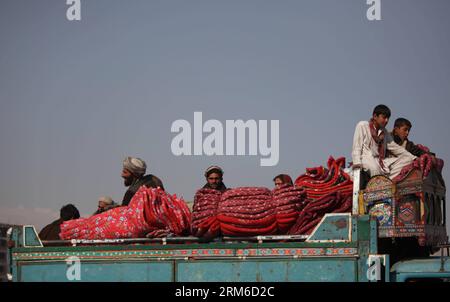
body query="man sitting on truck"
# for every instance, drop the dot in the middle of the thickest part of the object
(133, 174)
(372, 141)
(214, 179)
(51, 231)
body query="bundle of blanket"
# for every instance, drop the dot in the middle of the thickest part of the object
(328, 190)
(320, 181)
(204, 214)
(425, 163)
(151, 212)
(247, 211)
(289, 201)
(166, 214)
(315, 210)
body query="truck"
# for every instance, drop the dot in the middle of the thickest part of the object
(361, 246)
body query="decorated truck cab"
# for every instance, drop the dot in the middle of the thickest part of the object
(414, 207)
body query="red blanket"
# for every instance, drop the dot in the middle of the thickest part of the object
(150, 210)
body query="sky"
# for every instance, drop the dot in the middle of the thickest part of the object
(76, 97)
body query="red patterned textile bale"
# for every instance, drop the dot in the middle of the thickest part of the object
(204, 214)
(149, 210)
(425, 163)
(289, 201)
(247, 211)
(320, 181)
(328, 190)
(315, 210)
(167, 212)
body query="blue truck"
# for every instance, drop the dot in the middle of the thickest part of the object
(367, 245)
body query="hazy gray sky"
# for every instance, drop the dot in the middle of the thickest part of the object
(77, 97)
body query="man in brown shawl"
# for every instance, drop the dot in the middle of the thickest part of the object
(51, 231)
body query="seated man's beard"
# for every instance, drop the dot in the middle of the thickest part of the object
(128, 181)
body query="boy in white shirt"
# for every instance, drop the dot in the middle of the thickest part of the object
(372, 142)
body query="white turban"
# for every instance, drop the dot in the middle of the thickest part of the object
(107, 200)
(135, 165)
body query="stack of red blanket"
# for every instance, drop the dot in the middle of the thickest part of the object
(247, 211)
(204, 215)
(313, 212)
(289, 201)
(320, 181)
(166, 214)
(327, 191)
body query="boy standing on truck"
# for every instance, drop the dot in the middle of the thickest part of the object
(372, 141)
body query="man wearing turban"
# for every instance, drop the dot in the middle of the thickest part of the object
(214, 179)
(133, 174)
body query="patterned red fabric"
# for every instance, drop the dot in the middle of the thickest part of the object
(165, 211)
(425, 163)
(315, 210)
(247, 211)
(320, 181)
(328, 190)
(251, 211)
(289, 201)
(204, 222)
(379, 140)
(149, 210)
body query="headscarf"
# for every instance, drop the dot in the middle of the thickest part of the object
(213, 169)
(107, 200)
(286, 179)
(135, 165)
(379, 140)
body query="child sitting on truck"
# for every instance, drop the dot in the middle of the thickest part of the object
(371, 142)
(401, 130)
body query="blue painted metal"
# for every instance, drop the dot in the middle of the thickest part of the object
(420, 268)
(103, 272)
(373, 235)
(354, 222)
(31, 238)
(311, 270)
(334, 227)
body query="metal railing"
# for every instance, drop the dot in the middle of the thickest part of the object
(166, 240)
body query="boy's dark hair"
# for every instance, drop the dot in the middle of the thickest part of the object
(400, 122)
(69, 212)
(382, 109)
